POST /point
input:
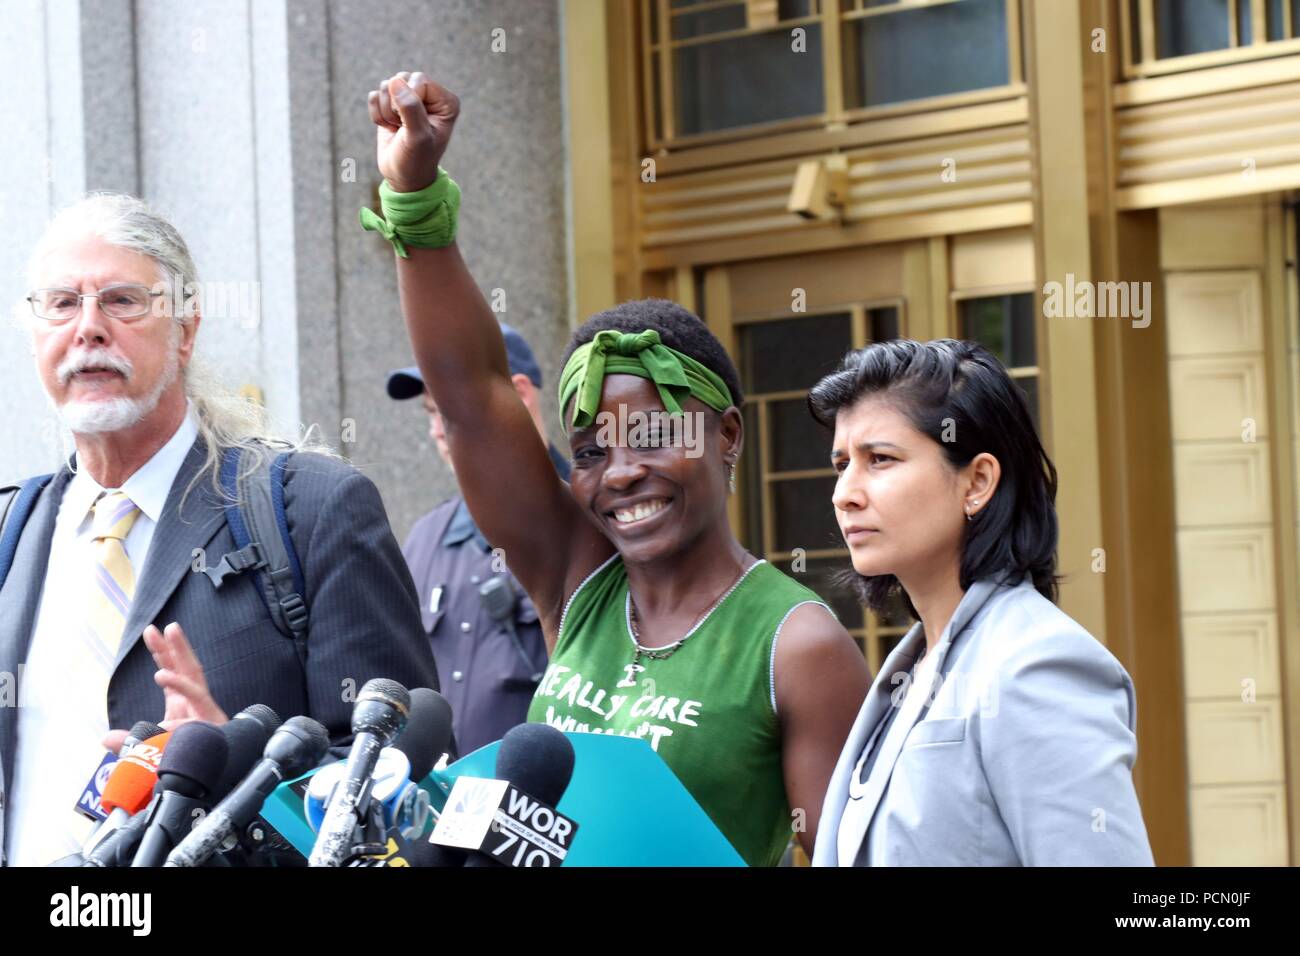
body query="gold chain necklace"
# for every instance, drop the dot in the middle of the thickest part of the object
(667, 651)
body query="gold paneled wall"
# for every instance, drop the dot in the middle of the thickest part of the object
(1223, 442)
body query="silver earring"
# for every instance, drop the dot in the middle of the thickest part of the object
(731, 476)
(970, 516)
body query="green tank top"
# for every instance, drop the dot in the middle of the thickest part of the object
(709, 710)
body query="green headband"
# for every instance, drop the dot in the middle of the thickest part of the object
(675, 374)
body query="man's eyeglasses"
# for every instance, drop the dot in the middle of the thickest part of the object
(116, 301)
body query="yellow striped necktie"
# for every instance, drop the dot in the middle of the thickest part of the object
(113, 515)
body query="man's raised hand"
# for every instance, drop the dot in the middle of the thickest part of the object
(413, 118)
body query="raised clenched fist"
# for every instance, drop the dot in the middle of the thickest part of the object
(414, 117)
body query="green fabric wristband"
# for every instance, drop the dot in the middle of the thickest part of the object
(676, 375)
(424, 219)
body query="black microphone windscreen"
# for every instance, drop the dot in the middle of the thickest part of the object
(263, 715)
(381, 709)
(246, 740)
(298, 745)
(537, 759)
(196, 751)
(144, 729)
(427, 733)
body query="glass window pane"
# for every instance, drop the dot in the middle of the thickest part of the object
(1184, 27)
(1003, 324)
(1135, 30)
(1244, 26)
(789, 354)
(712, 20)
(785, 8)
(887, 644)
(1275, 22)
(658, 117)
(821, 576)
(798, 442)
(927, 51)
(749, 79)
(803, 514)
(882, 323)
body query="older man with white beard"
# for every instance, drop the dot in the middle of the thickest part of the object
(102, 614)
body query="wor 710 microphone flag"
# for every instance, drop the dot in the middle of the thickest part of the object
(504, 823)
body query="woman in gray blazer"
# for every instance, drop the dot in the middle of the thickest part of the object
(998, 732)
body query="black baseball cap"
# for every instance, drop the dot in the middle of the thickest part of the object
(408, 382)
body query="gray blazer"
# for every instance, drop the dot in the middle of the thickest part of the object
(364, 616)
(1023, 756)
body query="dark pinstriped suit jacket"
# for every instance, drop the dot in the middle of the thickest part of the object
(364, 614)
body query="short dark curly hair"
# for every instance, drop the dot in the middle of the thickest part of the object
(678, 328)
(961, 384)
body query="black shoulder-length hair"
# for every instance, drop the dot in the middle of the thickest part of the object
(959, 395)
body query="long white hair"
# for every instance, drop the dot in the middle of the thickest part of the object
(226, 419)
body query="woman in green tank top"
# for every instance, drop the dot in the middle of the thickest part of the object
(659, 623)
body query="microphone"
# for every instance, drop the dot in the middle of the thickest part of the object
(536, 758)
(189, 771)
(129, 791)
(130, 785)
(511, 820)
(246, 734)
(428, 731)
(399, 804)
(297, 746)
(403, 806)
(90, 803)
(378, 717)
(140, 731)
(426, 738)
(119, 847)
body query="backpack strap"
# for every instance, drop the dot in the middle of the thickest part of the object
(256, 518)
(16, 504)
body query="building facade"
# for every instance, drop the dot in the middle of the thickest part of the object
(1101, 191)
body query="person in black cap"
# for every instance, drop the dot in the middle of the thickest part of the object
(487, 641)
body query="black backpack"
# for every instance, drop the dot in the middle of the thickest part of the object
(258, 524)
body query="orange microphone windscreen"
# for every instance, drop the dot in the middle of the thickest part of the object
(130, 785)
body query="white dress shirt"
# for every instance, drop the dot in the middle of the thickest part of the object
(63, 712)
